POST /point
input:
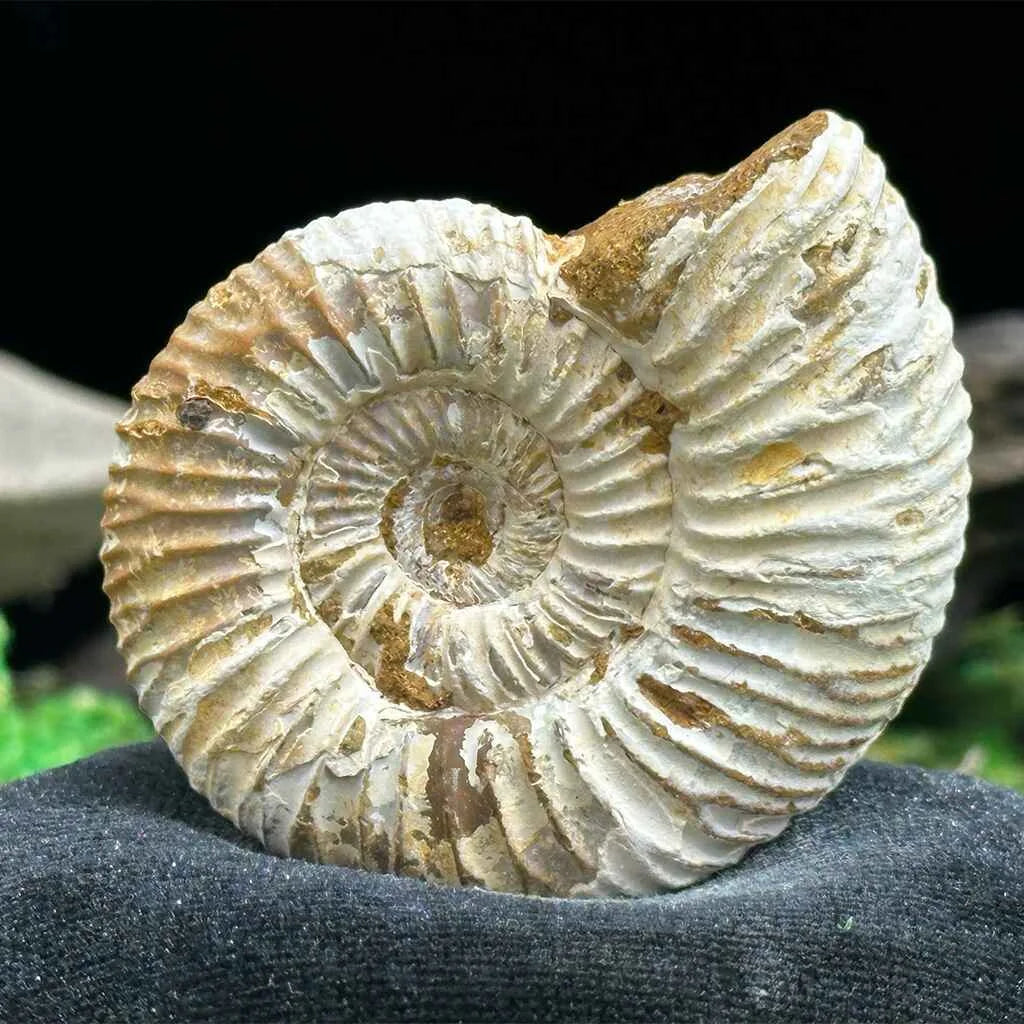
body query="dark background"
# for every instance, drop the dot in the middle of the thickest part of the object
(150, 148)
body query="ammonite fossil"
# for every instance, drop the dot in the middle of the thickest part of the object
(442, 546)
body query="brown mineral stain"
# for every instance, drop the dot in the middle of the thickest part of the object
(867, 378)
(394, 500)
(142, 428)
(330, 610)
(632, 632)
(354, 736)
(828, 278)
(606, 274)
(287, 488)
(558, 311)
(440, 461)
(771, 461)
(922, 285)
(603, 397)
(206, 657)
(460, 532)
(229, 399)
(706, 642)
(560, 633)
(687, 709)
(803, 621)
(393, 680)
(870, 675)
(600, 666)
(910, 517)
(457, 806)
(799, 619)
(319, 568)
(150, 387)
(656, 415)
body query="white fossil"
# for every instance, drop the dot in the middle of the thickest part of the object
(443, 546)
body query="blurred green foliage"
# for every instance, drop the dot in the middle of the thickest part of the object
(59, 727)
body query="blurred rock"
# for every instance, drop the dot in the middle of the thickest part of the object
(98, 663)
(993, 351)
(992, 572)
(56, 440)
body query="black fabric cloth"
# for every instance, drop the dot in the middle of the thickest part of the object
(123, 897)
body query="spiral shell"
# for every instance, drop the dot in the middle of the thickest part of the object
(442, 546)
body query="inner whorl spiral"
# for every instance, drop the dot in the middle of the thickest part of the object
(439, 545)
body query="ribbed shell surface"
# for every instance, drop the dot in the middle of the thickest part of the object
(569, 566)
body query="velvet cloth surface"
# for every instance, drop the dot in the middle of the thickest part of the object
(123, 897)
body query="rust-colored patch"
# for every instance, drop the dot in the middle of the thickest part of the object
(771, 461)
(354, 737)
(603, 397)
(600, 666)
(317, 569)
(460, 533)
(656, 415)
(870, 675)
(558, 312)
(300, 599)
(909, 517)
(799, 619)
(151, 387)
(330, 610)
(287, 488)
(632, 632)
(803, 621)
(229, 399)
(828, 279)
(704, 641)
(867, 378)
(457, 806)
(692, 711)
(442, 461)
(143, 428)
(392, 678)
(624, 372)
(921, 290)
(394, 500)
(560, 633)
(606, 273)
(205, 658)
(686, 709)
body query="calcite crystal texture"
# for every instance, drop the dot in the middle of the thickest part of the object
(571, 565)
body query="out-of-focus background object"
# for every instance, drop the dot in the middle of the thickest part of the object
(55, 445)
(992, 573)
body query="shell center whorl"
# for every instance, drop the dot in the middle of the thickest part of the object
(434, 500)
